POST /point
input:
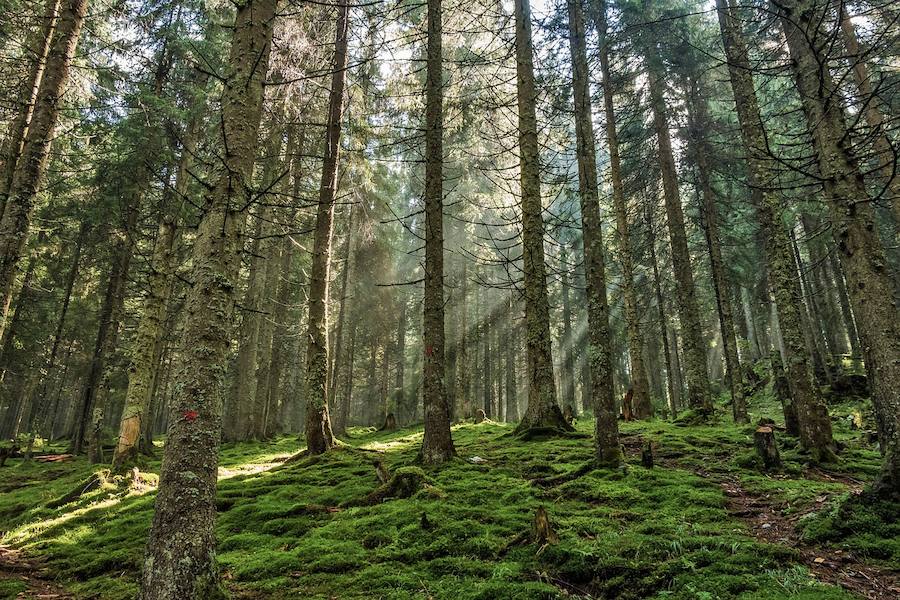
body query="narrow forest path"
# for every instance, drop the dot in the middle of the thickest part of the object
(30, 574)
(766, 520)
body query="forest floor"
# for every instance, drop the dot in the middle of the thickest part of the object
(705, 522)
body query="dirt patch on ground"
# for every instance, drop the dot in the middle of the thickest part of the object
(33, 575)
(766, 521)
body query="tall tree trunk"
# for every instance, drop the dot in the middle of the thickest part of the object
(437, 444)
(38, 47)
(814, 423)
(32, 163)
(319, 437)
(510, 348)
(180, 560)
(463, 407)
(400, 376)
(853, 226)
(146, 342)
(567, 341)
(542, 410)
(696, 373)
(347, 253)
(698, 122)
(642, 406)
(606, 428)
(673, 371)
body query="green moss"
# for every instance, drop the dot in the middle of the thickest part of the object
(304, 529)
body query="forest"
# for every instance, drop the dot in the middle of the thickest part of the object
(428, 299)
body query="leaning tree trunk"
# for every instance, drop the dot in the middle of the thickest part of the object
(812, 414)
(180, 560)
(146, 342)
(698, 122)
(319, 437)
(853, 225)
(643, 408)
(38, 46)
(696, 372)
(542, 410)
(32, 163)
(437, 444)
(606, 428)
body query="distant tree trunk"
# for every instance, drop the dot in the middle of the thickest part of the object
(487, 382)
(437, 444)
(567, 341)
(510, 348)
(815, 425)
(810, 317)
(673, 371)
(463, 402)
(689, 314)
(347, 253)
(642, 405)
(852, 217)
(344, 411)
(400, 375)
(180, 560)
(822, 286)
(542, 410)
(606, 429)
(38, 47)
(756, 348)
(844, 303)
(319, 437)
(266, 405)
(146, 342)
(93, 397)
(698, 122)
(32, 164)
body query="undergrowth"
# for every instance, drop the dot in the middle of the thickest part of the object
(303, 529)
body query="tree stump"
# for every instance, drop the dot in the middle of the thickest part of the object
(764, 440)
(390, 423)
(542, 530)
(480, 417)
(627, 408)
(647, 456)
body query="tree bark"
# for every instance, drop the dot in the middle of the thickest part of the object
(32, 164)
(180, 559)
(542, 410)
(698, 122)
(642, 405)
(696, 373)
(319, 437)
(815, 426)
(437, 444)
(606, 429)
(146, 341)
(853, 226)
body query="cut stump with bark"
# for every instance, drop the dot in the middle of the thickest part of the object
(764, 440)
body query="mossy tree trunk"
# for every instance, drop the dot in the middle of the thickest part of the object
(180, 560)
(542, 410)
(38, 47)
(814, 423)
(643, 408)
(319, 437)
(606, 428)
(852, 223)
(437, 443)
(696, 373)
(32, 162)
(699, 122)
(146, 341)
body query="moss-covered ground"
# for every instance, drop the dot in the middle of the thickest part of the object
(297, 530)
